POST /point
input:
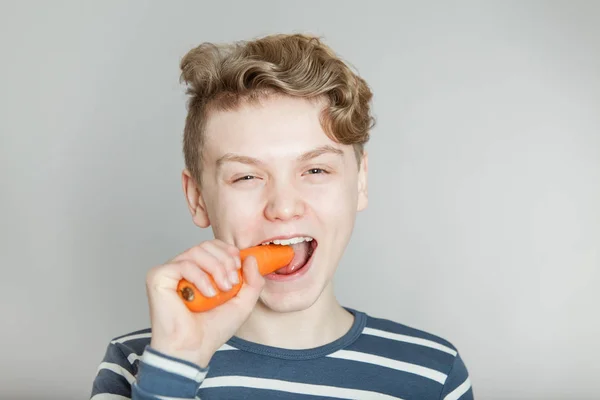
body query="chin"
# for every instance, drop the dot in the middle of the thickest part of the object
(282, 298)
(286, 303)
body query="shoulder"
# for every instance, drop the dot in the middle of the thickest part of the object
(419, 351)
(119, 365)
(126, 349)
(400, 344)
(133, 342)
(394, 330)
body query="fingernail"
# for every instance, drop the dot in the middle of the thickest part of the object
(238, 262)
(211, 291)
(253, 260)
(233, 277)
(226, 284)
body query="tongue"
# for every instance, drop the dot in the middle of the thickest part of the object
(300, 258)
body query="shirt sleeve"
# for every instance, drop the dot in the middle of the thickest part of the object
(162, 376)
(458, 384)
(153, 376)
(114, 376)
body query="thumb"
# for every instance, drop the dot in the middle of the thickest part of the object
(252, 275)
(253, 282)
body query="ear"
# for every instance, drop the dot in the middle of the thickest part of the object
(363, 193)
(194, 199)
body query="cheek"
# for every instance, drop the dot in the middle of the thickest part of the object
(238, 218)
(335, 202)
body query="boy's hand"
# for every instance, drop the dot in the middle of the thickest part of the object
(195, 337)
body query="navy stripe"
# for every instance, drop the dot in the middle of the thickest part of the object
(116, 352)
(156, 381)
(249, 393)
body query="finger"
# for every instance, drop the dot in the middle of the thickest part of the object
(231, 250)
(205, 260)
(253, 283)
(190, 271)
(252, 274)
(220, 252)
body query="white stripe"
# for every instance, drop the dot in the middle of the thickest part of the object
(293, 387)
(109, 396)
(459, 391)
(409, 339)
(133, 357)
(394, 364)
(117, 369)
(174, 367)
(132, 337)
(172, 398)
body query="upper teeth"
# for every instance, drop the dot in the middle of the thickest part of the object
(290, 241)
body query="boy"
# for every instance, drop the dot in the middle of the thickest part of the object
(274, 152)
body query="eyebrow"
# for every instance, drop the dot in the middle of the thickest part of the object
(327, 149)
(309, 155)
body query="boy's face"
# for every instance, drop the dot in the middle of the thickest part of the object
(270, 170)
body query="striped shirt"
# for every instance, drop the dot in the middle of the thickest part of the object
(376, 359)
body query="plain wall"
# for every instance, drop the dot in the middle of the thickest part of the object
(484, 217)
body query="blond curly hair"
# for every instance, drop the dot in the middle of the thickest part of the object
(220, 76)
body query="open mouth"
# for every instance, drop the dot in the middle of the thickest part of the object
(304, 248)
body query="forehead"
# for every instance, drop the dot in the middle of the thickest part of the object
(277, 126)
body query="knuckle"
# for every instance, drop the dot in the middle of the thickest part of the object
(197, 251)
(154, 272)
(190, 267)
(207, 245)
(230, 261)
(220, 272)
(185, 264)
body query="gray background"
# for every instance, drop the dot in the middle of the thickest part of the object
(484, 218)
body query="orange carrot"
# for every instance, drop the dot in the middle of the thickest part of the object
(269, 258)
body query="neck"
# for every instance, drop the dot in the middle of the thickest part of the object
(325, 321)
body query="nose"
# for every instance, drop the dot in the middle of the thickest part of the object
(284, 203)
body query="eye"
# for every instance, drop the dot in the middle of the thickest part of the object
(244, 178)
(313, 171)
